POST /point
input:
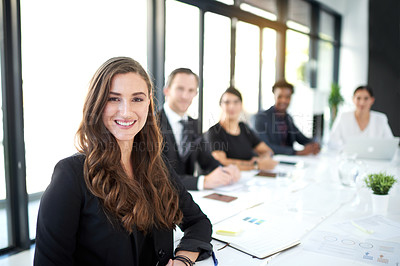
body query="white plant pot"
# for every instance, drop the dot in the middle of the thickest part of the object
(380, 204)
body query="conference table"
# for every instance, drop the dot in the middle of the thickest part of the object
(306, 200)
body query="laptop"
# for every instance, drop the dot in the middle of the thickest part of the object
(372, 148)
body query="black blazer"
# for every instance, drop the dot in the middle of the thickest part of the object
(72, 228)
(266, 128)
(199, 152)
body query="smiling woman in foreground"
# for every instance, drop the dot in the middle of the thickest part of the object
(116, 202)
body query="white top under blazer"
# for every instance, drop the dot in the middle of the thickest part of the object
(346, 126)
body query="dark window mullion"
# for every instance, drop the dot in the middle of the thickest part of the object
(315, 14)
(13, 123)
(336, 52)
(201, 66)
(156, 47)
(233, 50)
(260, 70)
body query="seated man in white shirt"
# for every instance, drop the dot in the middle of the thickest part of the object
(184, 146)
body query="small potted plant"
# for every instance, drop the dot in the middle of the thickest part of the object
(335, 99)
(380, 184)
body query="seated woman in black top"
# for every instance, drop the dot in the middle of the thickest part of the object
(117, 202)
(233, 142)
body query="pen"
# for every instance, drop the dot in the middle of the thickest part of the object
(223, 170)
(255, 205)
(226, 172)
(214, 259)
(287, 162)
(359, 227)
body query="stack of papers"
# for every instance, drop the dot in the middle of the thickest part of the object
(365, 240)
(371, 251)
(257, 233)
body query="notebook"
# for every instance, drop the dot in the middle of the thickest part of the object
(258, 234)
(372, 148)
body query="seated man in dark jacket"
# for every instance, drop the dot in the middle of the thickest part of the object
(276, 127)
(183, 144)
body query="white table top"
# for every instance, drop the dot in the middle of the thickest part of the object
(313, 195)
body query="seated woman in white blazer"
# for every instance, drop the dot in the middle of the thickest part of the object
(360, 123)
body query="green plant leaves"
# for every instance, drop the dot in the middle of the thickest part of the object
(335, 98)
(380, 183)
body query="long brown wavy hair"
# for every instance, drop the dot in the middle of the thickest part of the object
(149, 199)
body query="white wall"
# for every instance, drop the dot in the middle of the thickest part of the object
(353, 64)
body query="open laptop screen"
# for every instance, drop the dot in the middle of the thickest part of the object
(372, 148)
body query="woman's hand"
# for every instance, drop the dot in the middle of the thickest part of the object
(189, 256)
(218, 177)
(234, 171)
(310, 148)
(266, 163)
(175, 263)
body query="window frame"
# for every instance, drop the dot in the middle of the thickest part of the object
(236, 14)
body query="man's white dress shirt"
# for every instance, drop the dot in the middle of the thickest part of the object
(173, 119)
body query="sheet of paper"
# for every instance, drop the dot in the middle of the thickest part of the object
(233, 187)
(371, 251)
(377, 226)
(244, 178)
(217, 210)
(261, 234)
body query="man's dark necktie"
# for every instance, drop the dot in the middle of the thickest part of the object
(184, 147)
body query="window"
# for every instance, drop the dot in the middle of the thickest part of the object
(297, 57)
(263, 8)
(61, 50)
(268, 70)
(297, 72)
(256, 64)
(327, 26)
(216, 75)
(299, 15)
(324, 80)
(267, 5)
(325, 66)
(247, 66)
(182, 41)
